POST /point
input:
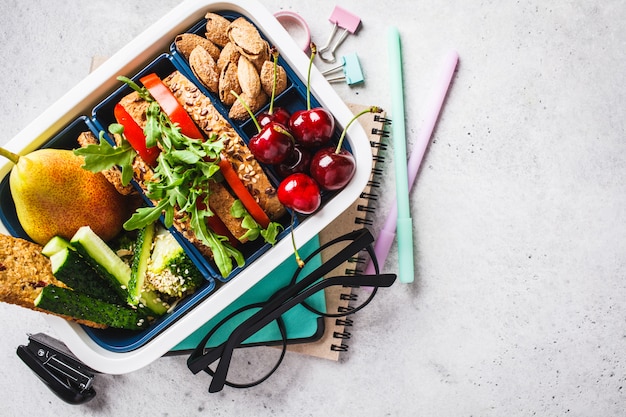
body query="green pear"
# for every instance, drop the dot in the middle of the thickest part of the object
(55, 196)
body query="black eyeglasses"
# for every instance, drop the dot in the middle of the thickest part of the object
(260, 315)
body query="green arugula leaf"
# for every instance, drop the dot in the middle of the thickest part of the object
(116, 128)
(144, 216)
(237, 210)
(269, 235)
(104, 156)
(152, 129)
(222, 251)
(142, 91)
(186, 156)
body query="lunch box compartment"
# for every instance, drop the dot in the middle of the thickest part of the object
(112, 339)
(64, 139)
(200, 30)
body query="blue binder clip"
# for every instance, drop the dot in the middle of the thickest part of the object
(351, 68)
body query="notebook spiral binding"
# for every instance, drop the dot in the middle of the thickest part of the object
(365, 206)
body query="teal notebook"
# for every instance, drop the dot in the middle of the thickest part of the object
(302, 325)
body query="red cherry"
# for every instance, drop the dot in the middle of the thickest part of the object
(300, 193)
(278, 115)
(272, 144)
(331, 169)
(312, 127)
(298, 160)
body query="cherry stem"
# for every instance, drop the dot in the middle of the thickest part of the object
(13, 157)
(245, 105)
(299, 260)
(308, 77)
(275, 55)
(278, 128)
(373, 109)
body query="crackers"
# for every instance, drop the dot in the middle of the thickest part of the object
(24, 271)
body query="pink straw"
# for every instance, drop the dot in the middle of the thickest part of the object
(388, 233)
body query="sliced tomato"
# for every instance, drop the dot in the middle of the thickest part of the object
(243, 194)
(166, 99)
(134, 134)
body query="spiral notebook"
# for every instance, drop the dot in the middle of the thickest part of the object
(307, 332)
(336, 336)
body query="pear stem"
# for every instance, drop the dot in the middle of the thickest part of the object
(13, 157)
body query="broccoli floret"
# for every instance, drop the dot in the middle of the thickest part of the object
(170, 270)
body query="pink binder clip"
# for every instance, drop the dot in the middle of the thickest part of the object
(340, 18)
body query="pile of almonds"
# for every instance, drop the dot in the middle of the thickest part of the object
(233, 56)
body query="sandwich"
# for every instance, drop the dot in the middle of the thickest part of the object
(192, 165)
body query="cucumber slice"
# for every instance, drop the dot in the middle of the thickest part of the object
(81, 306)
(69, 267)
(152, 300)
(143, 247)
(136, 287)
(54, 245)
(102, 258)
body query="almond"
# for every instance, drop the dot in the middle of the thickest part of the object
(238, 110)
(246, 37)
(229, 54)
(259, 59)
(217, 29)
(205, 68)
(229, 82)
(267, 78)
(186, 42)
(248, 77)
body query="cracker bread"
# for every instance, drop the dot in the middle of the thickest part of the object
(24, 271)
